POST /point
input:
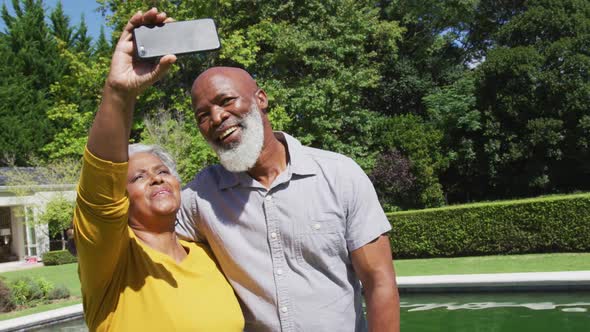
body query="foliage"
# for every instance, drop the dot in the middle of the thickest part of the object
(58, 257)
(102, 47)
(393, 180)
(420, 143)
(29, 64)
(483, 99)
(60, 25)
(82, 42)
(431, 52)
(58, 210)
(76, 98)
(452, 110)
(65, 171)
(28, 292)
(545, 224)
(58, 214)
(314, 58)
(58, 292)
(6, 301)
(182, 140)
(532, 94)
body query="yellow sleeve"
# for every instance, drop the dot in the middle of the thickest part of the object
(100, 221)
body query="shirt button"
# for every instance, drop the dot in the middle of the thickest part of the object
(268, 197)
(284, 310)
(273, 235)
(279, 271)
(316, 226)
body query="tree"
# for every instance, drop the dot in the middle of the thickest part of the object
(533, 91)
(82, 42)
(76, 98)
(102, 48)
(452, 110)
(431, 52)
(316, 59)
(29, 63)
(420, 143)
(58, 215)
(60, 25)
(394, 181)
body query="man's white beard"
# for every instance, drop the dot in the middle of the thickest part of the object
(242, 156)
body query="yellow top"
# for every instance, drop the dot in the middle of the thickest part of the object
(128, 286)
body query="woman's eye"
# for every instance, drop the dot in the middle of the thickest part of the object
(164, 171)
(137, 177)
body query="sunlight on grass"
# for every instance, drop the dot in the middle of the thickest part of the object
(39, 308)
(64, 275)
(494, 264)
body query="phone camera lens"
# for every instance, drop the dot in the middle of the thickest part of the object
(141, 50)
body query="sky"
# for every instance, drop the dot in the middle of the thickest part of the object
(73, 9)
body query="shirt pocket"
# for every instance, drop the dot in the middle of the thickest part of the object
(320, 243)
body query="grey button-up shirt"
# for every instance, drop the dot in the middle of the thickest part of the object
(286, 250)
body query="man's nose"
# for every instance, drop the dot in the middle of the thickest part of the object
(218, 115)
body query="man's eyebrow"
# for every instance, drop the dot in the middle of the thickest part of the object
(222, 95)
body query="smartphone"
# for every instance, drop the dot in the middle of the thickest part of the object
(182, 37)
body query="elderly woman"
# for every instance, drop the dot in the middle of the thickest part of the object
(135, 274)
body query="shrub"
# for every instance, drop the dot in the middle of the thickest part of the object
(21, 290)
(58, 257)
(545, 224)
(27, 291)
(393, 180)
(60, 292)
(6, 302)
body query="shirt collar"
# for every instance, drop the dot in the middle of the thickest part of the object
(300, 164)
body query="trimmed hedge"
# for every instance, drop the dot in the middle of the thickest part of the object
(58, 257)
(538, 225)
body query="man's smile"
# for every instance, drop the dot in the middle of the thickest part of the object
(226, 133)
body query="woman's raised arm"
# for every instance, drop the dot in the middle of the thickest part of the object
(128, 77)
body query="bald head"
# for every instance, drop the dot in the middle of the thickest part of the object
(237, 78)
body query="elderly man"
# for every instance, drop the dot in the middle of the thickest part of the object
(294, 228)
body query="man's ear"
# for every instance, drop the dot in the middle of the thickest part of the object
(261, 100)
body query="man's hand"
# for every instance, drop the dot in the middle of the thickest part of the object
(129, 75)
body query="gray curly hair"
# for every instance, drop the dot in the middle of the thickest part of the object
(157, 151)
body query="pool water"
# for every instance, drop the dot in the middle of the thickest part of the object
(76, 325)
(496, 312)
(474, 312)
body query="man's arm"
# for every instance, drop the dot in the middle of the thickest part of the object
(373, 265)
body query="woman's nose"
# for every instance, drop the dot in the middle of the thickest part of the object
(157, 179)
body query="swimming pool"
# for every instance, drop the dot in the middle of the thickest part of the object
(495, 312)
(474, 312)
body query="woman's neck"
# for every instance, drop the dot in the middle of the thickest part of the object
(164, 242)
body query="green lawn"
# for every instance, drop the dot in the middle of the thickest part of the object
(493, 264)
(39, 308)
(67, 274)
